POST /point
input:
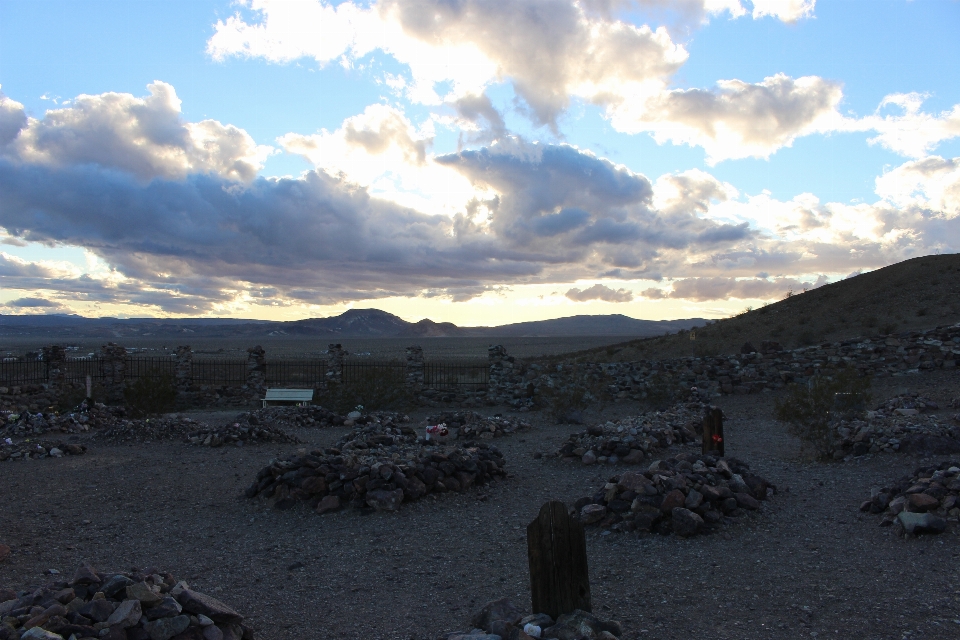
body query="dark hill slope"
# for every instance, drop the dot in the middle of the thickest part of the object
(916, 294)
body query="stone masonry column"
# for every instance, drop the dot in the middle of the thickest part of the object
(414, 369)
(335, 357)
(56, 358)
(113, 365)
(184, 369)
(256, 370)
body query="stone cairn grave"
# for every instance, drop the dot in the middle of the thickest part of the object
(38, 449)
(901, 424)
(380, 464)
(501, 620)
(470, 424)
(686, 495)
(924, 502)
(632, 439)
(140, 605)
(184, 429)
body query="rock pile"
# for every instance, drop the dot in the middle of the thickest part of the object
(899, 424)
(309, 416)
(470, 424)
(378, 431)
(633, 438)
(26, 424)
(501, 620)
(686, 495)
(194, 432)
(36, 450)
(920, 503)
(141, 605)
(381, 476)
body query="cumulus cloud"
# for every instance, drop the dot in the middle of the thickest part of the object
(599, 292)
(12, 120)
(911, 132)
(737, 119)
(549, 50)
(382, 150)
(144, 136)
(931, 183)
(786, 10)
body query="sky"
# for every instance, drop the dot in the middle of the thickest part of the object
(475, 162)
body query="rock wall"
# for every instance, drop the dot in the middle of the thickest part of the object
(770, 368)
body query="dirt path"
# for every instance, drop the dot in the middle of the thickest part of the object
(810, 563)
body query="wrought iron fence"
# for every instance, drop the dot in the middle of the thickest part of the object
(234, 372)
(455, 375)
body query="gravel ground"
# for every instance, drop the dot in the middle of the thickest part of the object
(809, 565)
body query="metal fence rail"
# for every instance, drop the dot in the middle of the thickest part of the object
(219, 372)
(454, 375)
(233, 372)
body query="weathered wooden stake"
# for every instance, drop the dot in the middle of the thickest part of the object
(557, 552)
(713, 431)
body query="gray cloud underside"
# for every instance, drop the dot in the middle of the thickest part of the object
(562, 214)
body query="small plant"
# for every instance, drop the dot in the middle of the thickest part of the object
(810, 410)
(152, 394)
(563, 403)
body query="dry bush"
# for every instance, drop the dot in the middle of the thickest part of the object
(809, 410)
(151, 394)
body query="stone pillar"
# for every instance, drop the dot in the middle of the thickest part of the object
(113, 366)
(496, 357)
(335, 357)
(414, 370)
(56, 359)
(256, 369)
(184, 370)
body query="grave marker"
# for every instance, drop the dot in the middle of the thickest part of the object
(557, 553)
(713, 431)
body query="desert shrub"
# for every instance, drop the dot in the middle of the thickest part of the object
(574, 393)
(151, 394)
(375, 388)
(809, 410)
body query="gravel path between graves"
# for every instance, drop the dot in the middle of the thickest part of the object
(810, 564)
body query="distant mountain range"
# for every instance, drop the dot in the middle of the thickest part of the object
(355, 323)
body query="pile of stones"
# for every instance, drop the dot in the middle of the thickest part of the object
(26, 424)
(308, 416)
(36, 450)
(470, 424)
(634, 438)
(685, 495)
(501, 620)
(381, 476)
(920, 503)
(141, 605)
(191, 431)
(899, 424)
(379, 431)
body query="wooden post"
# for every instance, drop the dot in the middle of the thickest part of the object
(713, 431)
(557, 552)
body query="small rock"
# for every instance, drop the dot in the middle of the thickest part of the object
(385, 500)
(166, 628)
(126, 615)
(685, 522)
(921, 522)
(327, 504)
(592, 513)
